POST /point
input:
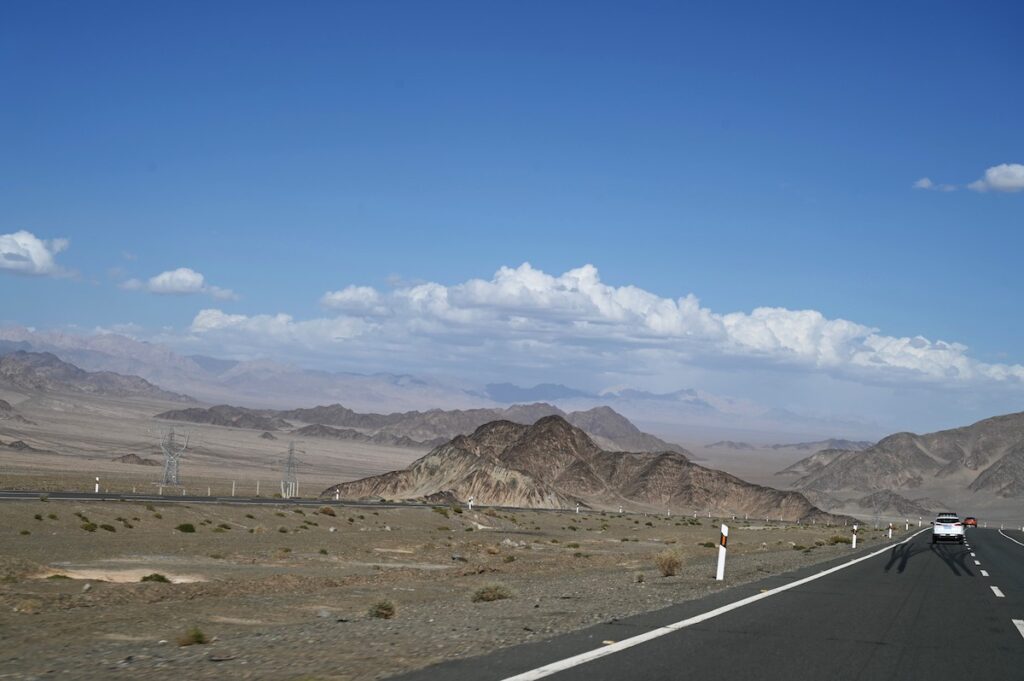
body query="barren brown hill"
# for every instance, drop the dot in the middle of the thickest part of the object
(44, 372)
(226, 415)
(553, 464)
(380, 438)
(983, 457)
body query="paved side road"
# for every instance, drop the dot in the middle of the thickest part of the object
(915, 612)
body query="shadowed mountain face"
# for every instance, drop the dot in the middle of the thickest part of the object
(553, 464)
(44, 372)
(987, 456)
(424, 428)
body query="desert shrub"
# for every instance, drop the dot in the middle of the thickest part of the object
(299, 511)
(194, 636)
(56, 577)
(573, 528)
(250, 516)
(88, 527)
(282, 530)
(186, 527)
(572, 545)
(24, 532)
(509, 559)
(491, 592)
(44, 497)
(279, 514)
(384, 610)
(838, 539)
(285, 549)
(217, 556)
(38, 516)
(799, 547)
(224, 526)
(493, 550)
(323, 552)
(668, 563)
(469, 529)
(554, 541)
(649, 524)
(361, 516)
(327, 510)
(708, 544)
(440, 510)
(108, 528)
(155, 577)
(52, 516)
(158, 516)
(624, 539)
(150, 507)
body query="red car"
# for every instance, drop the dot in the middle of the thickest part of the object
(969, 520)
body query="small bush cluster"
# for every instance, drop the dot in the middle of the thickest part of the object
(384, 610)
(186, 527)
(668, 563)
(194, 636)
(839, 539)
(491, 592)
(327, 510)
(155, 577)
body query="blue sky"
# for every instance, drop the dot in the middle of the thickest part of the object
(753, 155)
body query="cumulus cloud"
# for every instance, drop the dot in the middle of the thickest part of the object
(182, 281)
(927, 184)
(525, 317)
(924, 183)
(24, 253)
(1005, 177)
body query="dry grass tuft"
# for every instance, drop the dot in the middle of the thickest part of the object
(668, 563)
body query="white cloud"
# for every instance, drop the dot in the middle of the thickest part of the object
(24, 253)
(1006, 177)
(525, 317)
(182, 281)
(924, 183)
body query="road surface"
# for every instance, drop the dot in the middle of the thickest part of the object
(913, 612)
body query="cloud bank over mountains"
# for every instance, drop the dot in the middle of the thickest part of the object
(523, 316)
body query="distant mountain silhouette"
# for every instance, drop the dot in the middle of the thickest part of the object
(508, 393)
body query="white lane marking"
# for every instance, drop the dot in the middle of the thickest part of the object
(977, 562)
(590, 655)
(997, 592)
(1010, 538)
(972, 554)
(984, 573)
(1020, 626)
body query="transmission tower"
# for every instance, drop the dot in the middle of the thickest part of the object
(289, 480)
(172, 453)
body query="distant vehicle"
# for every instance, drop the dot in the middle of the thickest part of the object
(947, 527)
(970, 521)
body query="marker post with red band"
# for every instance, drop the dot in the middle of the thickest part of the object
(723, 542)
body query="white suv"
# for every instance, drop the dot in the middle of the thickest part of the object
(947, 527)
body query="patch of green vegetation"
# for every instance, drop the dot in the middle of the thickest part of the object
(108, 527)
(572, 545)
(283, 530)
(58, 577)
(38, 516)
(279, 514)
(250, 516)
(25, 532)
(186, 527)
(441, 510)
(52, 516)
(382, 610)
(158, 516)
(224, 526)
(509, 559)
(194, 636)
(155, 577)
(88, 527)
(707, 544)
(323, 552)
(799, 547)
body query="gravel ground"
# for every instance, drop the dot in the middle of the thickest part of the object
(279, 595)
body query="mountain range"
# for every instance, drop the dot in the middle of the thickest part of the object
(985, 457)
(554, 464)
(422, 429)
(45, 372)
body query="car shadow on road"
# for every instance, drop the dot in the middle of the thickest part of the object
(954, 556)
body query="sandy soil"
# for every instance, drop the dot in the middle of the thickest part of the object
(284, 592)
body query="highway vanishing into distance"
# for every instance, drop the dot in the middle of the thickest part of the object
(912, 611)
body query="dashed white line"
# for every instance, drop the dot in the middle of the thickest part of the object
(1020, 626)
(977, 562)
(984, 573)
(972, 554)
(997, 592)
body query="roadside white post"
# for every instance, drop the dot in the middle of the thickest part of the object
(854, 543)
(161, 490)
(668, 512)
(890, 530)
(577, 509)
(723, 541)
(907, 522)
(620, 509)
(257, 488)
(97, 485)
(232, 488)
(182, 491)
(208, 491)
(337, 495)
(471, 503)
(919, 521)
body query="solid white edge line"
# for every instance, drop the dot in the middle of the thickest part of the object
(1020, 626)
(984, 573)
(972, 554)
(1010, 538)
(977, 562)
(604, 651)
(997, 592)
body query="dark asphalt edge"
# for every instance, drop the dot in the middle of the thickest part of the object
(524, 657)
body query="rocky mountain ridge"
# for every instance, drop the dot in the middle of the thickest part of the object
(553, 464)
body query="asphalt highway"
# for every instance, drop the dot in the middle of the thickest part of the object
(913, 612)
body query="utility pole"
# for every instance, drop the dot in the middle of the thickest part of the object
(172, 454)
(289, 481)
